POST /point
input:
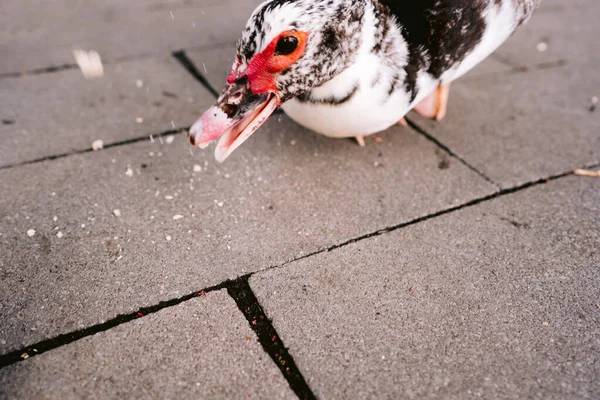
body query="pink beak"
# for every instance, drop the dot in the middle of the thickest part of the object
(236, 116)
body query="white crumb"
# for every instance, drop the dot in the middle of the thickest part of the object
(172, 16)
(542, 46)
(177, 216)
(168, 238)
(55, 218)
(117, 212)
(129, 172)
(139, 120)
(170, 139)
(59, 234)
(197, 168)
(89, 63)
(31, 232)
(97, 145)
(169, 197)
(139, 83)
(588, 173)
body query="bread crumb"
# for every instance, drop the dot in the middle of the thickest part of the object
(31, 232)
(177, 216)
(117, 212)
(97, 145)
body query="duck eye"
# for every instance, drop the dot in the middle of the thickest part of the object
(286, 45)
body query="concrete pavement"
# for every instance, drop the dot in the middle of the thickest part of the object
(455, 259)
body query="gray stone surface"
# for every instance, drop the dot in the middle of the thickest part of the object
(215, 64)
(202, 348)
(498, 300)
(62, 112)
(37, 36)
(568, 28)
(522, 127)
(285, 193)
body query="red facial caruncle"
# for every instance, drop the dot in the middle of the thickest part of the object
(264, 67)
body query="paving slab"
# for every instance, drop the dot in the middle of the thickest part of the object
(498, 300)
(185, 222)
(558, 30)
(50, 114)
(522, 127)
(31, 37)
(202, 348)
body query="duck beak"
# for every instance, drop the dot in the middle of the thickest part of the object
(236, 116)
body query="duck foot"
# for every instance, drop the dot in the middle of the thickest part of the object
(435, 105)
(360, 140)
(403, 122)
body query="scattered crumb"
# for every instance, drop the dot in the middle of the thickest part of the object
(129, 172)
(55, 218)
(59, 234)
(169, 197)
(169, 139)
(139, 83)
(377, 139)
(588, 173)
(89, 63)
(172, 16)
(197, 168)
(177, 216)
(97, 145)
(24, 356)
(545, 323)
(168, 238)
(542, 46)
(117, 212)
(31, 232)
(139, 120)
(293, 142)
(83, 225)
(594, 104)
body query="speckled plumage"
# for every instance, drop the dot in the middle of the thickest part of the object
(371, 61)
(362, 66)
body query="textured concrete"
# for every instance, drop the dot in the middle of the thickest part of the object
(62, 112)
(215, 64)
(203, 348)
(32, 36)
(285, 193)
(569, 29)
(522, 127)
(498, 300)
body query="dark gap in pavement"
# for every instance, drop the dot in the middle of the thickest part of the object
(67, 338)
(66, 66)
(38, 71)
(445, 148)
(519, 69)
(237, 287)
(190, 67)
(90, 150)
(470, 203)
(270, 341)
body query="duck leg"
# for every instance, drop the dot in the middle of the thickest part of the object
(403, 122)
(435, 105)
(360, 140)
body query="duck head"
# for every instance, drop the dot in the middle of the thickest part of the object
(287, 48)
